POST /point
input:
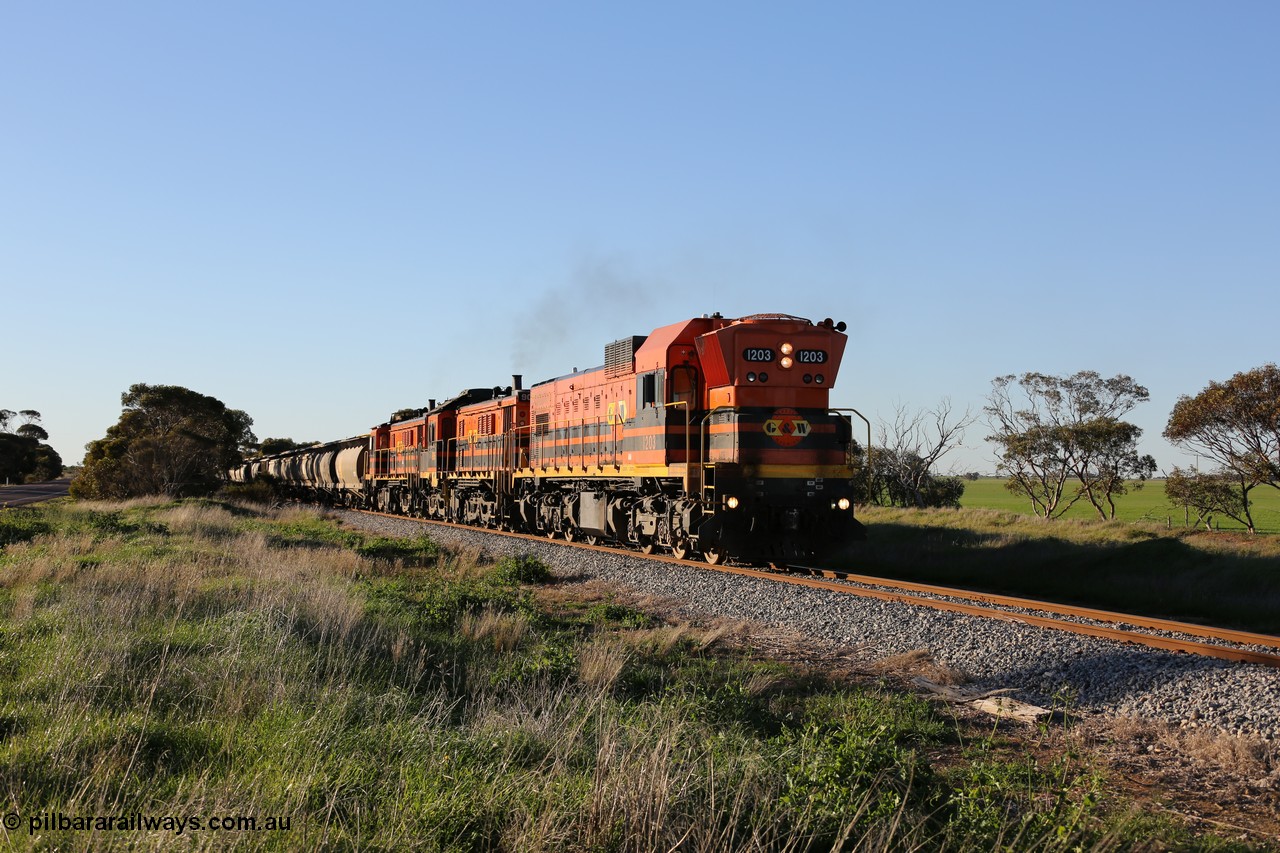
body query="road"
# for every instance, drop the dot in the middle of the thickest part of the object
(33, 492)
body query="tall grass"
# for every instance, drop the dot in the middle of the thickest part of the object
(198, 660)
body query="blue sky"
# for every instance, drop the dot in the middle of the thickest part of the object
(320, 212)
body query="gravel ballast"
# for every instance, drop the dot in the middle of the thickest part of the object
(1040, 665)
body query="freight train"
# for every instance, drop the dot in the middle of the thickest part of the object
(711, 437)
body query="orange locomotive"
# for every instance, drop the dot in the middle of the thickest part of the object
(711, 436)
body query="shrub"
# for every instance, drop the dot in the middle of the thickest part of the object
(521, 569)
(17, 525)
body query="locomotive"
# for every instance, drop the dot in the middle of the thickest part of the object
(711, 436)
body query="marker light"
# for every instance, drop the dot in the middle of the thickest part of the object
(843, 503)
(751, 377)
(787, 349)
(786, 362)
(731, 502)
(819, 379)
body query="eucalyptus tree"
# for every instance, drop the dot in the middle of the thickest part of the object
(169, 440)
(1061, 439)
(1235, 424)
(24, 455)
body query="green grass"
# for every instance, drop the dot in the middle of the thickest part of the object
(1229, 579)
(195, 660)
(1145, 503)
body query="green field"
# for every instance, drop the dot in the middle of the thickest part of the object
(1147, 503)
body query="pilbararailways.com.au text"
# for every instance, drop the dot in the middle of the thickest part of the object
(60, 822)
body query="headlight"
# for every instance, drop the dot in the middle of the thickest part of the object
(787, 349)
(731, 502)
(786, 362)
(843, 503)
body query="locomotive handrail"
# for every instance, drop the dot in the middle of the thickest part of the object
(568, 426)
(479, 450)
(870, 495)
(459, 452)
(702, 424)
(515, 454)
(688, 461)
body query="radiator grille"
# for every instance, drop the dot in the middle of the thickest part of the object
(619, 356)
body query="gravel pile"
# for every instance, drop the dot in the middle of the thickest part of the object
(1039, 665)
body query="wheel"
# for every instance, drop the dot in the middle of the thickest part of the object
(646, 547)
(712, 556)
(570, 534)
(681, 549)
(551, 532)
(591, 539)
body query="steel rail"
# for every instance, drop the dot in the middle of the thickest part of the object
(1099, 631)
(1190, 628)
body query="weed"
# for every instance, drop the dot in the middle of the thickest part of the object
(618, 614)
(521, 569)
(18, 525)
(404, 552)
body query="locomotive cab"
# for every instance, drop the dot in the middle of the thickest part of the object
(776, 480)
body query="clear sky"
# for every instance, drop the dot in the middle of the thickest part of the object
(323, 212)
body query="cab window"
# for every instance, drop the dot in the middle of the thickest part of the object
(649, 389)
(684, 384)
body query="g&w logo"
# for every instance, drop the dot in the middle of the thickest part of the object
(786, 427)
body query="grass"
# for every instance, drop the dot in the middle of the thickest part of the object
(1145, 502)
(198, 660)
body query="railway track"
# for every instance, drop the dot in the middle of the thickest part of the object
(1169, 635)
